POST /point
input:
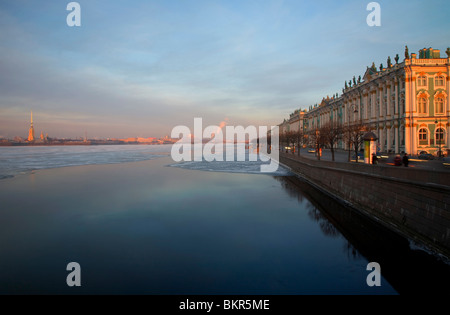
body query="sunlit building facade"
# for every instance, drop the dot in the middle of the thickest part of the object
(407, 104)
(294, 123)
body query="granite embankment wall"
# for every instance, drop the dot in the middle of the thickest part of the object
(412, 202)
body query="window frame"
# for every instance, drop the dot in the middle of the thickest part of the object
(419, 80)
(439, 77)
(438, 104)
(440, 140)
(419, 107)
(421, 137)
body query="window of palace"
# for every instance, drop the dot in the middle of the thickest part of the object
(422, 105)
(422, 81)
(439, 105)
(439, 81)
(440, 132)
(423, 136)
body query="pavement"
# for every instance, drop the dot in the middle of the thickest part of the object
(385, 161)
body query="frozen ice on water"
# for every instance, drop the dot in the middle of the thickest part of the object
(230, 167)
(247, 161)
(21, 160)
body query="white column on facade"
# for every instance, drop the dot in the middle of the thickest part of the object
(388, 143)
(375, 108)
(396, 109)
(372, 105)
(345, 113)
(388, 100)
(381, 139)
(414, 139)
(408, 139)
(359, 108)
(448, 138)
(385, 143)
(408, 97)
(377, 104)
(380, 104)
(396, 139)
(353, 109)
(413, 97)
(366, 104)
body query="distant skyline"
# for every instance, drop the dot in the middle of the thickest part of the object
(140, 68)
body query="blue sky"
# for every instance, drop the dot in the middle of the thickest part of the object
(142, 67)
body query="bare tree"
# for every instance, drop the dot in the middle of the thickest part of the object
(331, 134)
(287, 138)
(317, 139)
(291, 139)
(354, 135)
(299, 139)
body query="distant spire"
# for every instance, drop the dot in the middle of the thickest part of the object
(31, 130)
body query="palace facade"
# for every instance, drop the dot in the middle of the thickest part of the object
(407, 105)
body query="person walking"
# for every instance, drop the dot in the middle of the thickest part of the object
(374, 159)
(405, 160)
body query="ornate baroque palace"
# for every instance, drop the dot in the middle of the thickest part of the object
(405, 104)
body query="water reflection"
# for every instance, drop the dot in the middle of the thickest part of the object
(408, 270)
(302, 192)
(325, 225)
(145, 228)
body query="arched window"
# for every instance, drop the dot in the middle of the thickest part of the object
(423, 136)
(440, 132)
(422, 105)
(439, 81)
(439, 105)
(422, 81)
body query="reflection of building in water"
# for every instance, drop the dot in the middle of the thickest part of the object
(31, 130)
(367, 239)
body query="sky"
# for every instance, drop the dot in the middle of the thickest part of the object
(138, 68)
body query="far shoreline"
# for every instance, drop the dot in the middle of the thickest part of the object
(70, 143)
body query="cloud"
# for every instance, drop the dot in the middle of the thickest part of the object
(142, 67)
